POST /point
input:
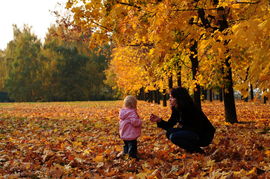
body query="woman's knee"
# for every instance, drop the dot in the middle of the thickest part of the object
(171, 132)
(183, 138)
(168, 135)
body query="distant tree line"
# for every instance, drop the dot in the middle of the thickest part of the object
(60, 69)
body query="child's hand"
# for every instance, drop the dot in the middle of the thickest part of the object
(154, 118)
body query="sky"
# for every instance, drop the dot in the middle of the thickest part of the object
(35, 13)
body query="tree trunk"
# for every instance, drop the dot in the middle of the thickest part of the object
(204, 92)
(221, 94)
(179, 80)
(197, 96)
(157, 96)
(170, 82)
(210, 95)
(246, 98)
(150, 96)
(147, 96)
(251, 93)
(164, 98)
(195, 64)
(229, 103)
(265, 99)
(141, 94)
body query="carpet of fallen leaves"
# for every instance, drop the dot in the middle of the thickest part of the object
(80, 139)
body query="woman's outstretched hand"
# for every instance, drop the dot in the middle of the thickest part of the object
(154, 118)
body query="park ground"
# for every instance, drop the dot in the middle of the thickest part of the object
(80, 139)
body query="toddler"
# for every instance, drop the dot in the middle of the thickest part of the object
(130, 126)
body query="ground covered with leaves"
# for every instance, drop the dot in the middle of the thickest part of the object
(80, 139)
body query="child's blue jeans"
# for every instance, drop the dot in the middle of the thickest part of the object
(130, 148)
(185, 139)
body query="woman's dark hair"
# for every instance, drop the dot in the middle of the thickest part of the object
(183, 99)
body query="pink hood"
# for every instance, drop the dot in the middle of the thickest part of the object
(126, 113)
(130, 124)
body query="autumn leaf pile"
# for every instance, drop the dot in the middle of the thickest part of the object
(80, 139)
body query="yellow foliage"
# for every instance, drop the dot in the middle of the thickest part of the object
(146, 37)
(237, 6)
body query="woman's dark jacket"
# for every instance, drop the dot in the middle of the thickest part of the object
(192, 120)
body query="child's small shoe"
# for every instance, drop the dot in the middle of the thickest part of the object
(134, 157)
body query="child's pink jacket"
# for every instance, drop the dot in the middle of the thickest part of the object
(130, 124)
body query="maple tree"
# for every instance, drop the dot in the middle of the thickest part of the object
(251, 41)
(81, 139)
(152, 39)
